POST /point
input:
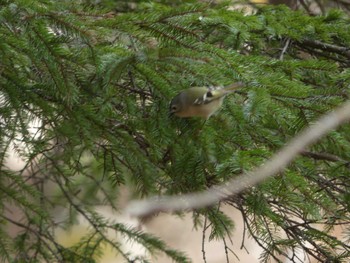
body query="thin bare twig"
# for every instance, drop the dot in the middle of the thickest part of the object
(226, 250)
(323, 156)
(345, 51)
(284, 50)
(221, 192)
(203, 239)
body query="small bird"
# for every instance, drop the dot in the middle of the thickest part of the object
(200, 101)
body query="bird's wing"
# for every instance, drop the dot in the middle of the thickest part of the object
(212, 93)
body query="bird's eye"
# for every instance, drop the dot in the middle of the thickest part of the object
(173, 108)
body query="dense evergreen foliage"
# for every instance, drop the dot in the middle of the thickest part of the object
(96, 79)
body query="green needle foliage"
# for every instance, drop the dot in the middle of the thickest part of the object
(84, 93)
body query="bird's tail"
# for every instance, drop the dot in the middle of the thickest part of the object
(233, 87)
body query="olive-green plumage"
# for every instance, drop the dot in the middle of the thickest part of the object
(200, 101)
